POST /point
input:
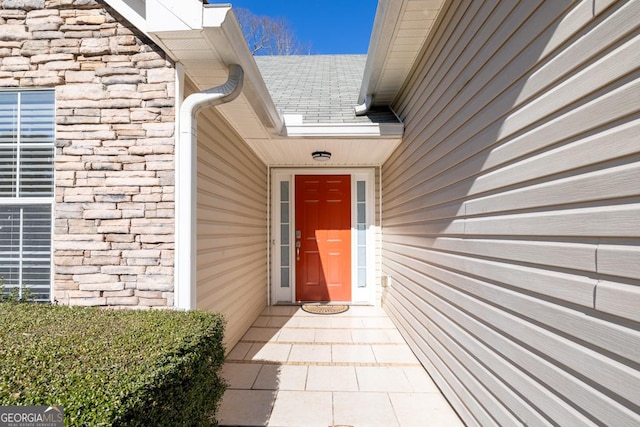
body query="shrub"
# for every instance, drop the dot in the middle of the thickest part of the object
(13, 294)
(112, 367)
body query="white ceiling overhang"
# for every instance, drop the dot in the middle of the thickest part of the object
(204, 39)
(355, 144)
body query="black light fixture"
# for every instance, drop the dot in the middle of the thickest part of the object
(321, 156)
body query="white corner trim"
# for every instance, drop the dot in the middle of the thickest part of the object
(186, 183)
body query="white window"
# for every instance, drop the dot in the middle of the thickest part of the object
(27, 147)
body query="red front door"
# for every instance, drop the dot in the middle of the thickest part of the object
(323, 237)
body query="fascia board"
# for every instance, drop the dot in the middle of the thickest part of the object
(225, 34)
(214, 15)
(382, 130)
(170, 15)
(384, 25)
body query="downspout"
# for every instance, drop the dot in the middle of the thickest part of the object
(269, 234)
(363, 108)
(186, 183)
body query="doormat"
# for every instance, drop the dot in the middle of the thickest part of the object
(324, 309)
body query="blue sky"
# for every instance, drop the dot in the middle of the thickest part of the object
(331, 26)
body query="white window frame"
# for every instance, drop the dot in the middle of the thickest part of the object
(19, 200)
(364, 295)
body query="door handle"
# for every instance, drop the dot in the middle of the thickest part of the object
(298, 250)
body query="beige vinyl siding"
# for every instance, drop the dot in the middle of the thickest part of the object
(231, 226)
(511, 212)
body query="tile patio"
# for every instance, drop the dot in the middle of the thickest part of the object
(293, 368)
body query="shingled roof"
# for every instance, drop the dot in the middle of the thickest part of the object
(321, 88)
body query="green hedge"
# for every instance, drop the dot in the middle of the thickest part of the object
(113, 367)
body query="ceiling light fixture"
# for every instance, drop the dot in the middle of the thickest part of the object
(321, 156)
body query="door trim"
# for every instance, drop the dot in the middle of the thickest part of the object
(284, 295)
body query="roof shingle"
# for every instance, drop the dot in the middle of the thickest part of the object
(321, 88)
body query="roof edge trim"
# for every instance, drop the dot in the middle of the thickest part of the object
(387, 15)
(255, 87)
(382, 130)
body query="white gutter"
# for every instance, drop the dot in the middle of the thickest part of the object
(186, 183)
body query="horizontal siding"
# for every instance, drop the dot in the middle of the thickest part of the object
(232, 227)
(511, 212)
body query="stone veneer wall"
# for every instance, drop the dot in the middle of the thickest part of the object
(114, 165)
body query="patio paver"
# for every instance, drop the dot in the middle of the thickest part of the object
(294, 368)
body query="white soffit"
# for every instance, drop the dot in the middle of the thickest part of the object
(399, 32)
(347, 152)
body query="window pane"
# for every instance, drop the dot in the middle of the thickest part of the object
(29, 228)
(284, 277)
(36, 171)
(284, 256)
(362, 277)
(9, 234)
(362, 215)
(36, 250)
(8, 117)
(284, 234)
(285, 251)
(36, 277)
(361, 190)
(362, 256)
(36, 117)
(36, 231)
(362, 235)
(27, 123)
(284, 191)
(8, 141)
(8, 170)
